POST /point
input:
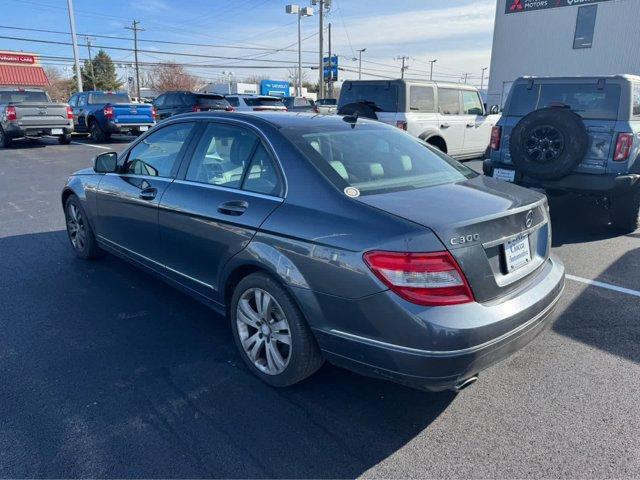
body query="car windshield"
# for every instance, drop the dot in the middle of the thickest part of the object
(23, 96)
(327, 101)
(587, 100)
(264, 102)
(105, 97)
(382, 97)
(375, 158)
(211, 101)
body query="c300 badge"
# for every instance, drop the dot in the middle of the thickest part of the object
(352, 192)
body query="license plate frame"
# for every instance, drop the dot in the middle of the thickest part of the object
(505, 174)
(517, 252)
(57, 131)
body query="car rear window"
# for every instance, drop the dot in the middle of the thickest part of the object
(264, 102)
(25, 96)
(100, 98)
(585, 99)
(375, 158)
(382, 97)
(211, 101)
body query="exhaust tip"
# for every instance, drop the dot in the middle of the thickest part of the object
(465, 383)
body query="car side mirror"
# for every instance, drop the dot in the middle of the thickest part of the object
(495, 109)
(106, 163)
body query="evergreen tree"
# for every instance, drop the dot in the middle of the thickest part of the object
(99, 73)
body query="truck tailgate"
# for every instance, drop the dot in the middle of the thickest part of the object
(45, 115)
(133, 113)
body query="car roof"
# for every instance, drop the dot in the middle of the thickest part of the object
(633, 78)
(276, 119)
(400, 81)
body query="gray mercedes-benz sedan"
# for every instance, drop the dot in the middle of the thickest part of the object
(327, 238)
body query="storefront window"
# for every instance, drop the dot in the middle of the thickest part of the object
(585, 25)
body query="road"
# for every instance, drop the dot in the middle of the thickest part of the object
(108, 372)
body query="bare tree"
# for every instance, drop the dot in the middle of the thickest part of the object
(171, 76)
(59, 88)
(255, 78)
(292, 73)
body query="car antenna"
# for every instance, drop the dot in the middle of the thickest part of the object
(352, 119)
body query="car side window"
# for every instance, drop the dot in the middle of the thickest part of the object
(82, 100)
(421, 99)
(222, 155)
(636, 99)
(73, 101)
(159, 102)
(448, 101)
(471, 103)
(156, 154)
(234, 101)
(262, 175)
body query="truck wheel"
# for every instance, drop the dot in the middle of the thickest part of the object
(625, 210)
(97, 133)
(5, 140)
(64, 139)
(549, 143)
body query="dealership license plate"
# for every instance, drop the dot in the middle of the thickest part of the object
(504, 174)
(144, 129)
(517, 253)
(56, 131)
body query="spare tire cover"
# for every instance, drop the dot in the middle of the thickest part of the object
(549, 143)
(362, 109)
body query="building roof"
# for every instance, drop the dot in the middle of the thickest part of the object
(24, 76)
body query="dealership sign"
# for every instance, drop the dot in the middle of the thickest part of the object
(17, 58)
(519, 6)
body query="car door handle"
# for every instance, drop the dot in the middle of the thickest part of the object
(234, 208)
(471, 125)
(444, 125)
(148, 193)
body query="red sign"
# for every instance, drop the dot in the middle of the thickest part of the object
(17, 58)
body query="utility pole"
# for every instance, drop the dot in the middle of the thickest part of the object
(76, 56)
(134, 26)
(93, 74)
(466, 77)
(404, 66)
(482, 78)
(330, 79)
(431, 73)
(321, 32)
(360, 62)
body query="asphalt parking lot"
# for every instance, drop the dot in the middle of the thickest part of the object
(107, 372)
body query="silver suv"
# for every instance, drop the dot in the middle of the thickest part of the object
(573, 134)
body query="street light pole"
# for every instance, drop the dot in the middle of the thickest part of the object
(76, 56)
(360, 62)
(300, 12)
(482, 78)
(431, 73)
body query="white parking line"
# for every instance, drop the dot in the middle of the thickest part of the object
(89, 145)
(608, 286)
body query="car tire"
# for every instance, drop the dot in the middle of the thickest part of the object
(64, 139)
(624, 211)
(79, 231)
(97, 134)
(549, 143)
(5, 140)
(259, 328)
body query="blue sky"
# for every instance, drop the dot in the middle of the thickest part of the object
(458, 34)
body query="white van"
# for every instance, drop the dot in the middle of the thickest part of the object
(449, 116)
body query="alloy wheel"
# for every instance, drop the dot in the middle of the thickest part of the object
(545, 144)
(264, 331)
(76, 227)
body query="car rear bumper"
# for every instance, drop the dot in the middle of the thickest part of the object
(114, 127)
(575, 182)
(443, 345)
(13, 130)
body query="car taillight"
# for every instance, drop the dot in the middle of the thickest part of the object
(623, 147)
(10, 114)
(108, 112)
(432, 279)
(496, 133)
(154, 113)
(401, 124)
(69, 113)
(229, 109)
(195, 108)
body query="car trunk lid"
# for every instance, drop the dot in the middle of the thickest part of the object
(480, 221)
(134, 113)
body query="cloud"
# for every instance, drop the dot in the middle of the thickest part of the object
(152, 6)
